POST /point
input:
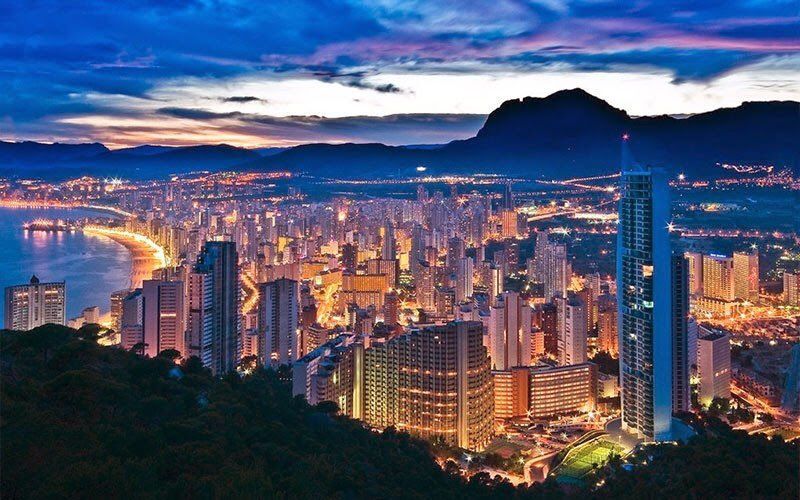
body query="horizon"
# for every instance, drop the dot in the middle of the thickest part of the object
(274, 76)
(481, 117)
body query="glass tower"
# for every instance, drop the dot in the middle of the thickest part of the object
(644, 277)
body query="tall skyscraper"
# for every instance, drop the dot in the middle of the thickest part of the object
(425, 282)
(35, 304)
(278, 313)
(791, 288)
(214, 315)
(388, 244)
(695, 260)
(464, 278)
(572, 331)
(644, 276)
(607, 337)
(745, 276)
(510, 332)
(680, 334)
(163, 316)
(131, 320)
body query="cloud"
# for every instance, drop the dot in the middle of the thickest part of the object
(62, 60)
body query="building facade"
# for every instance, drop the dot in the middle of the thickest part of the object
(35, 304)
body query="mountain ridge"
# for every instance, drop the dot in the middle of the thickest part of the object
(568, 133)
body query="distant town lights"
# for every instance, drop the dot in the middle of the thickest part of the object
(421, 168)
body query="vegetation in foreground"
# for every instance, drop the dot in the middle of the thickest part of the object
(82, 420)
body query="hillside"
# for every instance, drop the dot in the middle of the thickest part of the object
(78, 419)
(569, 133)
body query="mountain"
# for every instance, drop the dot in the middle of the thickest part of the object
(29, 153)
(572, 133)
(566, 134)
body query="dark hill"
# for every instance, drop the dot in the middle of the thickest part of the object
(79, 420)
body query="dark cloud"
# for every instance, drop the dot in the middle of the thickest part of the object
(242, 98)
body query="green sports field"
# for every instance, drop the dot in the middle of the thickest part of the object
(579, 460)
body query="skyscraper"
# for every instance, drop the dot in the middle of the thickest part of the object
(695, 272)
(510, 332)
(713, 365)
(745, 276)
(644, 300)
(278, 313)
(163, 325)
(464, 273)
(572, 331)
(680, 334)
(35, 304)
(388, 244)
(214, 295)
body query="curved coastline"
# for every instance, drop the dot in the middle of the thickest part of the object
(144, 258)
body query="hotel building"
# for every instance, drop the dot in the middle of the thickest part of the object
(35, 304)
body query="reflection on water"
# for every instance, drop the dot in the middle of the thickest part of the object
(93, 266)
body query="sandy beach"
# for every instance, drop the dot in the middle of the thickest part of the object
(146, 256)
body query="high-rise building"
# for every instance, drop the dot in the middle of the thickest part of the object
(510, 332)
(349, 257)
(572, 332)
(425, 284)
(388, 244)
(116, 308)
(718, 277)
(549, 326)
(791, 288)
(214, 312)
(35, 304)
(278, 316)
(695, 260)
(131, 320)
(713, 365)
(163, 316)
(434, 382)
(607, 338)
(464, 275)
(508, 197)
(680, 334)
(745, 276)
(644, 281)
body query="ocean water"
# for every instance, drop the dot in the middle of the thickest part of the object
(92, 266)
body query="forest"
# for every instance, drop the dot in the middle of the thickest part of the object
(81, 420)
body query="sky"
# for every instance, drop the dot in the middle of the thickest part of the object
(280, 73)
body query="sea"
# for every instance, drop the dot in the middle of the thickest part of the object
(92, 266)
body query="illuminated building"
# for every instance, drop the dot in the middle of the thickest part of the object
(163, 316)
(509, 220)
(35, 304)
(333, 372)
(391, 308)
(713, 365)
(391, 268)
(745, 276)
(424, 285)
(349, 257)
(695, 260)
(214, 307)
(644, 303)
(464, 278)
(572, 332)
(389, 244)
(278, 316)
(718, 277)
(116, 309)
(561, 390)
(364, 290)
(433, 382)
(511, 392)
(607, 338)
(791, 288)
(131, 320)
(510, 332)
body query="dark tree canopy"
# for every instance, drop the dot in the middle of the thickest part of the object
(81, 420)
